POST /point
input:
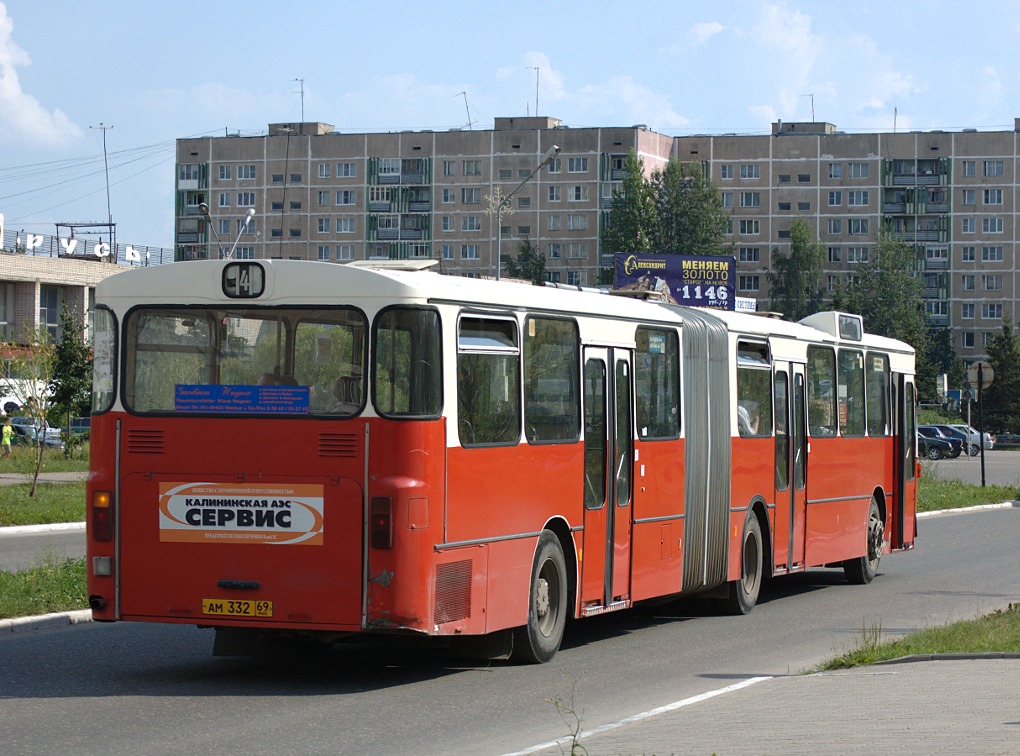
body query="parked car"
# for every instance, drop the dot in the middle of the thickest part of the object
(932, 431)
(933, 447)
(28, 431)
(79, 427)
(973, 438)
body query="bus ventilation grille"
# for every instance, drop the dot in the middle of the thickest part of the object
(453, 592)
(338, 445)
(145, 441)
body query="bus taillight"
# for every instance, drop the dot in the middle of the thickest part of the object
(381, 523)
(102, 516)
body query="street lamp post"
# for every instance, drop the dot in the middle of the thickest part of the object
(503, 203)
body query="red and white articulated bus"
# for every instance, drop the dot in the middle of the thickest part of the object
(298, 448)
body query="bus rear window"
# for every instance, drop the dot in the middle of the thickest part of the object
(316, 357)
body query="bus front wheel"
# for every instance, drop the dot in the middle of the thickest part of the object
(539, 640)
(862, 570)
(744, 592)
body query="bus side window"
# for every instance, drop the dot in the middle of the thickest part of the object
(754, 390)
(657, 379)
(821, 375)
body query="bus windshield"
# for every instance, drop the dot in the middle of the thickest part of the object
(173, 354)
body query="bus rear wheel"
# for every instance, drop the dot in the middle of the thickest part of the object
(539, 640)
(862, 570)
(744, 592)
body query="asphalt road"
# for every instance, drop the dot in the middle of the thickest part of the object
(137, 688)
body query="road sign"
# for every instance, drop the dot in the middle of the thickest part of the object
(987, 374)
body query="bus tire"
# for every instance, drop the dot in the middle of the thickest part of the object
(744, 592)
(539, 640)
(862, 570)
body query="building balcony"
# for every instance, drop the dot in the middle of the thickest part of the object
(419, 206)
(937, 207)
(936, 320)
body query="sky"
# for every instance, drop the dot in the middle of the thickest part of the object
(144, 74)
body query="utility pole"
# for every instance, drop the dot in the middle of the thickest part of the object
(537, 72)
(302, 81)
(104, 128)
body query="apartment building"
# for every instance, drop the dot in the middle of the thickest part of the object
(312, 193)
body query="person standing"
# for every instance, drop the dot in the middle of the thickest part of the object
(5, 439)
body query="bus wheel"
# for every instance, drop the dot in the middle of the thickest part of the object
(861, 570)
(744, 592)
(539, 640)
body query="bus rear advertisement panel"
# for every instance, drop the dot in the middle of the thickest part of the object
(357, 449)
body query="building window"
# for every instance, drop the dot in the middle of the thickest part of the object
(969, 197)
(577, 250)
(555, 165)
(322, 198)
(858, 198)
(834, 225)
(834, 254)
(991, 225)
(553, 223)
(579, 193)
(803, 178)
(470, 223)
(246, 199)
(224, 199)
(750, 254)
(345, 225)
(447, 223)
(245, 253)
(727, 199)
(524, 231)
(969, 168)
(468, 251)
(967, 282)
(295, 205)
(224, 172)
(991, 311)
(969, 254)
(858, 226)
(750, 171)
(785, 178)
(447, 251)
(993, 196)
(472, 167)
(523, 202)
(967, 225)
(471, 196)
(967, 311)
(750, 227)
(295, 233)
(835, 170)
(991, 254)
(577, 165)
(344, 251)
(784, 206)
(322, 225)
(323, 253)
(835, 199)
(187, 172)
(276, 206)
(748, 283)
(246, 171)
(506, 173)
(991, 282)
(449, 196)
(940, 309)
(994, 168)
(725, 171)
(832, 282)
(346, 170)
(858, 170)
(967, 339)
(750, 199)
(554, 194)
(803, 206)
(324, 173)
(553, 250)
(223, 226)
(345, 197)
(577, 222)
(784, 233)
(857, 254)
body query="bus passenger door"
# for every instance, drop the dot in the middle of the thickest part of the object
(905, 497)
(791, 453)
(608, 462)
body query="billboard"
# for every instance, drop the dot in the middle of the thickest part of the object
(691, 280)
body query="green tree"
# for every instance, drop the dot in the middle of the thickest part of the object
(1002, 398)
(795, 281)
(31, 369)
(690, 219)
(888, 293)
(71, 383)
(529, 265)
(631, 223)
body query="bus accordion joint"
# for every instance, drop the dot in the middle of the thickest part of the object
(102, 516)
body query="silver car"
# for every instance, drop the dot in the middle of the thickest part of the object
(973, 438)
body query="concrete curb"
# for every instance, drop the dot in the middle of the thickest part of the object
(45, 621)
(44, 528)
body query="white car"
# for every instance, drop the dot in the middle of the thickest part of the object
(973, 436)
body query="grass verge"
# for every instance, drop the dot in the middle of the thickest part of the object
(995, 632)
(53, 502)
(50, 587)
(934, 495)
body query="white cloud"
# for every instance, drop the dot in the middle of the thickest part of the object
(622, 101)
(699, 34)
(23, 119)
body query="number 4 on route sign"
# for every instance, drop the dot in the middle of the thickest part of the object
(987, 374)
